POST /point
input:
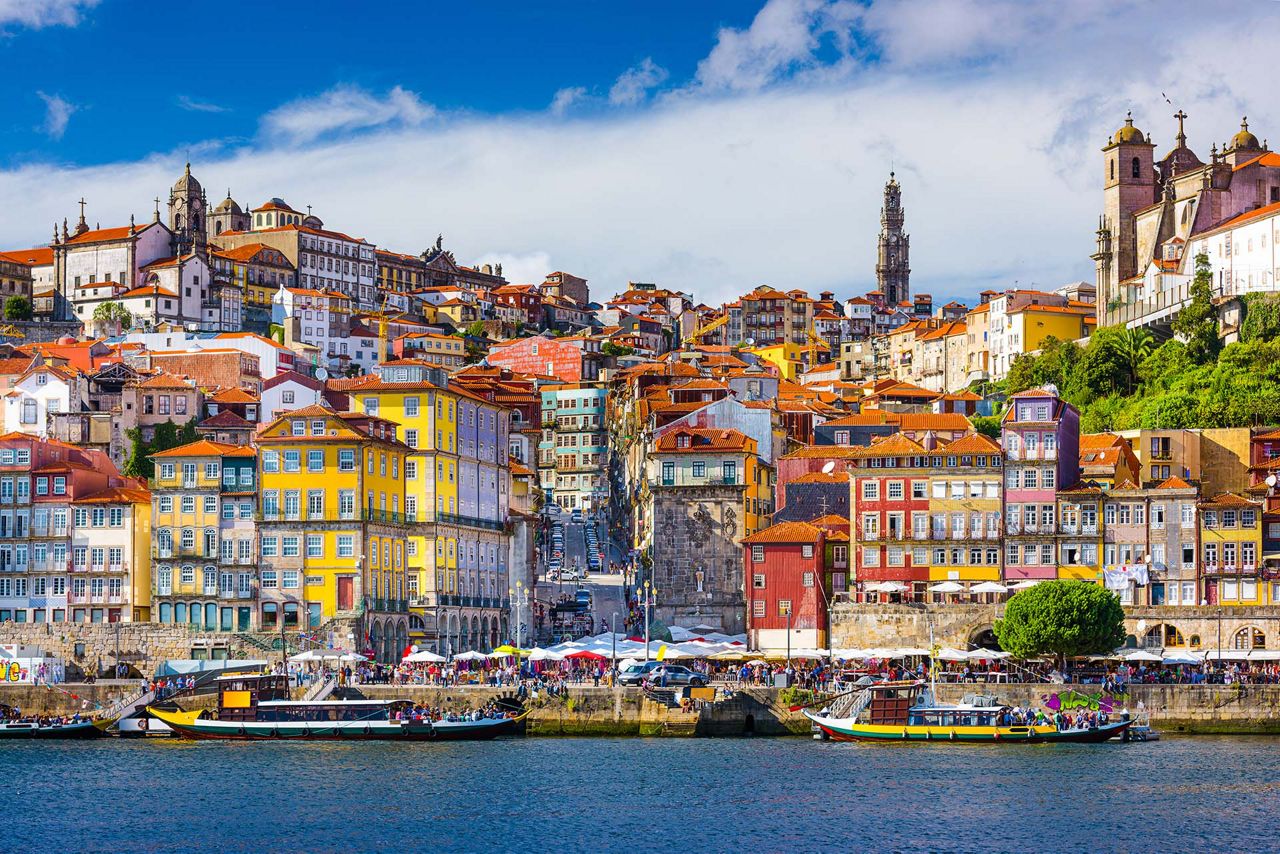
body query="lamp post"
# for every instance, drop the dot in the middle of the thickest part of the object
(788, 610)
(613, 630)
(520, 597)
(648, 599)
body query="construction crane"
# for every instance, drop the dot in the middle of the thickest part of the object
(815, 344)
(706, 329)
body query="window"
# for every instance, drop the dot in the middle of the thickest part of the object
(315, 459)
(757, 608)
(293, 460)
(757, 556)
(346, 459)
(289, 546)
(271, 461)
(806, 551)
(315, 545)
(871, 490)
(346, 545)
(784, 607)
(757, 581)
(895, 490)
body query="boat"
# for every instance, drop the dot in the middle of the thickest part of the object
(906, 711)
(76, 730)
(257, 707)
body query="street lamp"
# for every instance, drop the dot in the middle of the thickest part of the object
(613, 630)
(520, 597)
(787, 608)
(648, 599)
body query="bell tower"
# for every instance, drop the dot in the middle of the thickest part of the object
(893, 267)
(1129, 185)
(187, 208)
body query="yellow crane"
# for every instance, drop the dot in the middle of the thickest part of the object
(706, 329)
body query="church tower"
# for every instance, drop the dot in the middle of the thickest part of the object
(187, 206)
(1129, 185)
(893, 267)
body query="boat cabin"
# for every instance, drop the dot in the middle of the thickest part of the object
(892, 701)
(239, 695)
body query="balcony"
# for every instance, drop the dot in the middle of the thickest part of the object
(690, 480)
(470, 522)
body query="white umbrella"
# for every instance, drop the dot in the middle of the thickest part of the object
(424, 656)
(984, 654)
(850, 653)
(948, 654)
(308, 655)
(1024, 584)
(1264, 655)
(1142, 655)
(540, 654)
(908, 651)
(888, 587)
(947, 587)
(989, 587)
(471, 656)
(1182, 658)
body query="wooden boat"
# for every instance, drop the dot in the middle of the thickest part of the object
(905, 711)
(78, 730)
(258, 707)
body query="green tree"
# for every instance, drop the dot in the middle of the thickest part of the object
(17, 308)
(1261, 318)
(611, 349)
(1022, 374)
(111, 317)
(1197, 322)
(1135, 345)
(166, 435)
(1064, 618)
(987, 425)
(476, 329)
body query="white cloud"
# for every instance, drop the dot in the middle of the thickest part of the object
(57, 113)
(190, 104)
(784, 36)
(994, 126)
(566, 98)
(43, 13)
(345, 108)
(633, 85)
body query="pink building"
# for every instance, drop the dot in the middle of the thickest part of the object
(1041, 438)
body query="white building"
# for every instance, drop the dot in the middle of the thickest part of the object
(42, 390)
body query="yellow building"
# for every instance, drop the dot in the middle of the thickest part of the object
(1080, 545)
(332, 504)
(1231, 551)
(113, 532)
(457, 496)
(187, 492)
(965, 506)
(788, 358)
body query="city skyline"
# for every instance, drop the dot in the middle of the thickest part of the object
(730, 148)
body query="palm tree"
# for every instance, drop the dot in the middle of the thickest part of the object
(112, 316)
(1135, 346)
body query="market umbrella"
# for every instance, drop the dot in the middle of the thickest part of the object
(507, 650)
(471, 655)
(984, 654)
(888, 587)
(947, 587)
(586, 655)
(949, 654)
(424, 656)
(1182, 658)
(1024, 584)
(540, 654)
(850, 653)
(1142, 655)
(989, 587)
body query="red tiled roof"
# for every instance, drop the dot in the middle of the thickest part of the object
(208, 448)
(785, 532)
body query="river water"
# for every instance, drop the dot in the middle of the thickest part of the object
(669, 795)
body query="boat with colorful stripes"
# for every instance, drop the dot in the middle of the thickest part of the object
(906, 711)
(257, 707)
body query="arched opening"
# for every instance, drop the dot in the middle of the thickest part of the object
(375, 637)
(985, 638)
(484, 634)
(1113, 170)
(1250, 637)
(1161, 636)
(476, 638)
(1195, 641)
(749, 725)
(1137, 168)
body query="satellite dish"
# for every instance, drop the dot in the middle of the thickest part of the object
(322, 374)
(1271, 480)
(1142, 626)
(751, 342)
(829, 467)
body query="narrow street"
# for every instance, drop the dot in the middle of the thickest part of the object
(607, 598)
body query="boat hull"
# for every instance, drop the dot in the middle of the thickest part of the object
(193, 725)
(847, 730)
(83, 730)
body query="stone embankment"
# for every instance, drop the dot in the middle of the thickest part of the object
(592, 711)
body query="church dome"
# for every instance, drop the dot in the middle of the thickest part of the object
(1128, 133)
(187, 183)
(228, 205)
(1244, 139)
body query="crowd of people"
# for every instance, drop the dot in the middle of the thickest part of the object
(434, 714)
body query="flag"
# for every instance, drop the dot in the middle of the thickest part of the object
(662, 653)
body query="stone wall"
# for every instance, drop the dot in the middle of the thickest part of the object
(863, 626)
(698, 529)
(89, 647)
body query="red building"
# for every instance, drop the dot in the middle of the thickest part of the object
(794, 572)
(883, 503)
(568, 361)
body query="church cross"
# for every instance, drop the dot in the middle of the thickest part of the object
(82, 208)
(1180, 116)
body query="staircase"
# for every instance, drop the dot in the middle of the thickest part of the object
(664, 697)
(322, 689)
(128, 706)
(849, 705)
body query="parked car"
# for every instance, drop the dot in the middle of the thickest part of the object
(676, 674)
(576, 515)
(636, 673)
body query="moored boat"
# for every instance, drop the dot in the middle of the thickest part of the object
(37, 729)
(906, 711)
(258, 707)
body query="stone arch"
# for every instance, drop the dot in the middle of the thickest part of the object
(484, 634)
(1249, 637)
(476, 639)
(375, 637)
(464, 636)
(984, 636)
(1163, 635)
(402, 638)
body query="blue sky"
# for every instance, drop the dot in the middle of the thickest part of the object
(710, 146)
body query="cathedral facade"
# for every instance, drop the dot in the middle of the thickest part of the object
(1159, 214)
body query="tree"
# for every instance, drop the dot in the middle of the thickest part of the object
(987, 425)
(1197, 322)
(1135, 345)
(112, 317)
(17, 308)
(611, 349)
(475, 330)
(1022, 374)
(1261, 317)
(167, 435)
(1065, 618)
